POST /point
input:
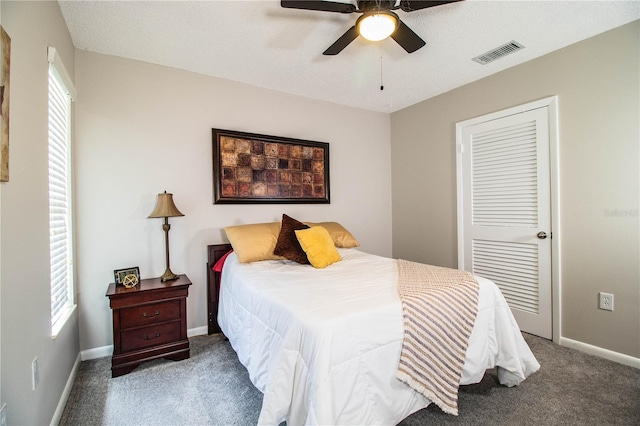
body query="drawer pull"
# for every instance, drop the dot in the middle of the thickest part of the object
(151, 338)
(155, 314)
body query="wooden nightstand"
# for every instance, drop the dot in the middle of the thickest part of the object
(149, 322)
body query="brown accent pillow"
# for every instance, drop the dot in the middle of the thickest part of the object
(288, 245)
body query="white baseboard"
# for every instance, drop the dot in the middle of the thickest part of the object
(108, 350)
(95, 353)
(601, 352)
(65, 393)
(197, 331)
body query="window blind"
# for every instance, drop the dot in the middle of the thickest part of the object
(60, 248)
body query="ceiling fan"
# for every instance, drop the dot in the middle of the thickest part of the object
(378, 21)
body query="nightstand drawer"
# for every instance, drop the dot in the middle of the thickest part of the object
(149, 314)
(150, 336)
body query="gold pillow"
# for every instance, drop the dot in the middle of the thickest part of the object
(254, 242)
(319, 246)
(341, 237)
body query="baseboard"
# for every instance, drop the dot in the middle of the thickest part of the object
(95, 353)
(108, 350)
(57, 415)
(601, 352)
(198, 331)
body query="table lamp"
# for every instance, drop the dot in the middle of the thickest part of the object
(166, 208)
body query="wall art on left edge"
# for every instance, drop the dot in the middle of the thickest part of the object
(255, 169)
(5, 65)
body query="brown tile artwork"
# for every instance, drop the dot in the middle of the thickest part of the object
(256, 168)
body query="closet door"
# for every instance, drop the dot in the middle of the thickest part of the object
(506, 211)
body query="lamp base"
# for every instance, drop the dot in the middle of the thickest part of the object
(168, 276)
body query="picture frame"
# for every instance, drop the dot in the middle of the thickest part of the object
(250, 168)
(5, 68)
(119, 274)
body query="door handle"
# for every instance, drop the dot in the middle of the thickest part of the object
(542, 235)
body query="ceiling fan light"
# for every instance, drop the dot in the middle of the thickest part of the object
(377, 26)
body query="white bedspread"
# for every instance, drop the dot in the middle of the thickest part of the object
(323, 344)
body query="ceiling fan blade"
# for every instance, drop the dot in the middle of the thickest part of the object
(411, 5)
(342, 42)
(406, 38)
(323, 6)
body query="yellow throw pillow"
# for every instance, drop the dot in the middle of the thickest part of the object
(341, 237)
(254, 242)
(319, 246)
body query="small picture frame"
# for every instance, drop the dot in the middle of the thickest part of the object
(119, 274)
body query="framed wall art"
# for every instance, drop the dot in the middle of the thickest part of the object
(251, 168)
(5, 65)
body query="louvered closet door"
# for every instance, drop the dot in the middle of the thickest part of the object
(506, 208)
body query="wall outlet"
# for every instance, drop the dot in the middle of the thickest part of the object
(3, 415)
(35, 374)
(605, 301)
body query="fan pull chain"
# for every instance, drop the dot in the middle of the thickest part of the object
(381, 81)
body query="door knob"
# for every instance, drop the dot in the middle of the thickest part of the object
(542, 235)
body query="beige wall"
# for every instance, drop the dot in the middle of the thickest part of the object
(143, 129)
(598, 88)
(26, 301)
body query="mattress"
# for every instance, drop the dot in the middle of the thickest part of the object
(323, 345)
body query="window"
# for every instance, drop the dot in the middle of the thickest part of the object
(60, 214)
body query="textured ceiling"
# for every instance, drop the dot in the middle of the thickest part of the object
(260, 43)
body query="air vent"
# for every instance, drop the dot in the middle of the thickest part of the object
(498, 52)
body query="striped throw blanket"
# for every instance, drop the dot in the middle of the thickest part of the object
(439, 307)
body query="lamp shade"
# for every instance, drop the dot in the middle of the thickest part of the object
(377, 26)
(165, 207)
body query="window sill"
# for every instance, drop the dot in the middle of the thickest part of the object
(59, 325)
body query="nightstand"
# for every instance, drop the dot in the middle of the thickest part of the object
(149, 322)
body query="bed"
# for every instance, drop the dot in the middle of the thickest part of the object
(323, 344)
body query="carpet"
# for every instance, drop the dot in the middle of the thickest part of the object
(213, 388)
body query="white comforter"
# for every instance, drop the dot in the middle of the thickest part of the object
(323, 344)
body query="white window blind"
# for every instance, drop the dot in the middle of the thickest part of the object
(60, 238)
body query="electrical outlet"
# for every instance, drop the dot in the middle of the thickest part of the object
(35, 374)
(3, 415)
(605, 301)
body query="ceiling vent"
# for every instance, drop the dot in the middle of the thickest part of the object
(498, 52)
